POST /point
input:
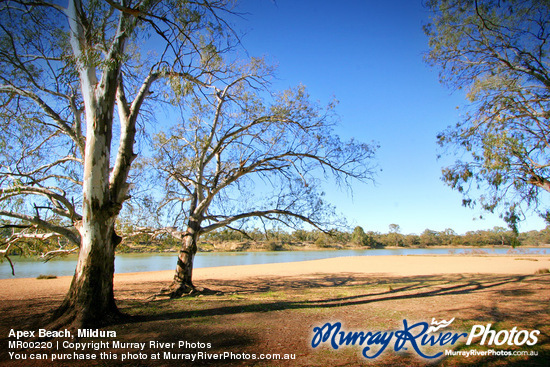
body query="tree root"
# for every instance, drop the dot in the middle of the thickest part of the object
(72, 318)
(185, 290)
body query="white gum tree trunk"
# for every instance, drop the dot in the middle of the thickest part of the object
(90, 300)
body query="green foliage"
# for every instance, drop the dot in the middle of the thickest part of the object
(244, 156)
(499, 52)
(31, 242)
(323, 241)
(273, 245)
(278, 240)
(359, 237)
(394, 237)
(47, 93)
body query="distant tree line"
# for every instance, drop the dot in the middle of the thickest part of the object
(276, 240)
(498, 236)
(283, 240)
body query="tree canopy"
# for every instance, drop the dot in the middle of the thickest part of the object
(244, 152)
(498, 51)
(71, 76)
(236, 140)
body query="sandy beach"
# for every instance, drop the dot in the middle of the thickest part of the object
(272, 309)
(395, 266)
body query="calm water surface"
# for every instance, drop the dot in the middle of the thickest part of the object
(127, 263)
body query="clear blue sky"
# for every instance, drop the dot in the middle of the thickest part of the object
(369, 55)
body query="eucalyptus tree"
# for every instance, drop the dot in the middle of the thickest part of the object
(245, 154)
(394, 235)
(499, 52)
(72, 81)
(359, 237)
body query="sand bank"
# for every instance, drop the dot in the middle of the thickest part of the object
(17, 289)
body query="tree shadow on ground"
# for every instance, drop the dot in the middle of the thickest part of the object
(228, 319)
(322, 292)
(398, 288)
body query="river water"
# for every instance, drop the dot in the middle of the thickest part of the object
(127, 263)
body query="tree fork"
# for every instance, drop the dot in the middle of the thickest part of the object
(539, 181)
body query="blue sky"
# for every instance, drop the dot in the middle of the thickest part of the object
(369, 55)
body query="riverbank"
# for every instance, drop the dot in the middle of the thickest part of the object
(130, 263)
(417, 265)
(272, 309)
(247, 246)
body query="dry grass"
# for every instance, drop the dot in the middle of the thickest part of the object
(277, 315)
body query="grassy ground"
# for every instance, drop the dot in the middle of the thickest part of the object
(276, 315)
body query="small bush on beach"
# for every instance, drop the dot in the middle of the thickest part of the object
(49, 276)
